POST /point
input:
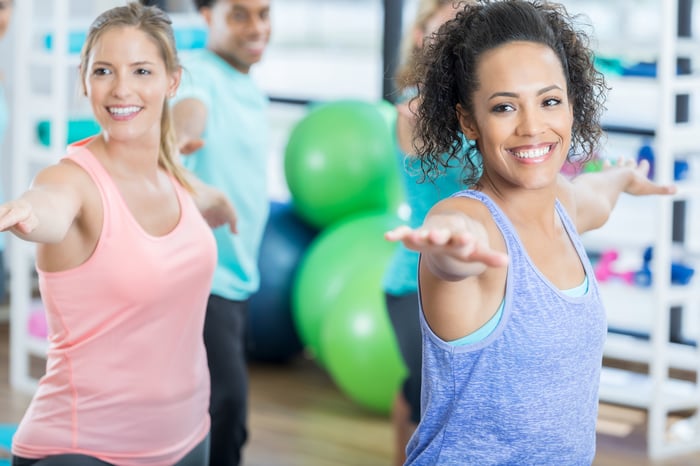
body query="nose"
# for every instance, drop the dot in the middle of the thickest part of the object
(121, 87)
(259, 26)
(531, 121)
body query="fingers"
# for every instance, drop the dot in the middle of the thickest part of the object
(398, 233)
(20, 219)
(189, 147)
(644, 166)
(491, 258)
(233, 221)
(461, 245)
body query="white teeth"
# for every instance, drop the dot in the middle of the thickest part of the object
(532, 154)
(123, 110)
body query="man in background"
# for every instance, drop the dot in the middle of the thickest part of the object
(221, 121)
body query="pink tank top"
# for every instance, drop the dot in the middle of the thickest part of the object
(126, 377)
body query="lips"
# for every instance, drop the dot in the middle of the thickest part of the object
(532, 154)
(124, 111)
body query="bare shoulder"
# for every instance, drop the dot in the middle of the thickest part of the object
(466, 205)
(65, 171)
(66, 178)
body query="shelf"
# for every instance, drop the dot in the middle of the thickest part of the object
(615, 294)
(45, 58)
(633, 349)
(622, 387)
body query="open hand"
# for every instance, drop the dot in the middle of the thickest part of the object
(450, 239)
(215, 207)
(639, 184)
(18, 216)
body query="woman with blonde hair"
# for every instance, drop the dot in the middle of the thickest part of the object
(125, 260)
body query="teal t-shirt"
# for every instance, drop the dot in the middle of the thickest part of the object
(234, 159)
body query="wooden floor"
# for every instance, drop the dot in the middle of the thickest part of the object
(298, 417)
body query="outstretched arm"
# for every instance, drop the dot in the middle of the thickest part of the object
(595, 194)
(190, 116)
(453, 245)
(45, 212)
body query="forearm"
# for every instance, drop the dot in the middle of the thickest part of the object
(597, 194)
(606, 186)
(189, 117)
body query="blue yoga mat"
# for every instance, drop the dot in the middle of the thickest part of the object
(6, 433)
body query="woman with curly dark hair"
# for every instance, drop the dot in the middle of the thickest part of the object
(513, 323)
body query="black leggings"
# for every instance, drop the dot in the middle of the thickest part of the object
(199, 456)
(224, 337)
(403, 313)
(59, 460)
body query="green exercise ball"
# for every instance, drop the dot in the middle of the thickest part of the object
(360, 350)
(340, 160)
(350, 250)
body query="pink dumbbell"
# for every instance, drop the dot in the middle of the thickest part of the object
(604, 269)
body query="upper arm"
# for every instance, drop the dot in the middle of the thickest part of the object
(58, 188)
(54, 201)
(454, 309)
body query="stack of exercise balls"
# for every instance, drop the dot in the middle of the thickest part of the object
(341, 170)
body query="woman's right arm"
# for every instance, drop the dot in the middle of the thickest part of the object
(47, 210)
(453, 245)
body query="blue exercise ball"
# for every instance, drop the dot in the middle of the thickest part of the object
(271, 334)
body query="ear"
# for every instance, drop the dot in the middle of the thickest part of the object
(81, 74)
(174, 82)
(467, 123)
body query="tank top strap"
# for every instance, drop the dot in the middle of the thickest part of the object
(81, 156)
(504, 225)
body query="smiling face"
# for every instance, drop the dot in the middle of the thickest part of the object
(522, 116)
(239, 30)
(126, 80)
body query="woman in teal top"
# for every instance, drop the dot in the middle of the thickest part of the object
(400, 288)
(5, 13)
(400, 279)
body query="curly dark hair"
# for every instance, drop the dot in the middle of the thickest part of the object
(447, 77)
(199, 4)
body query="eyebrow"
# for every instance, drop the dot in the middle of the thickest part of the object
(513, 94)
(138, 63)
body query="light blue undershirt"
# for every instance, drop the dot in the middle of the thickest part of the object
(488, 328)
